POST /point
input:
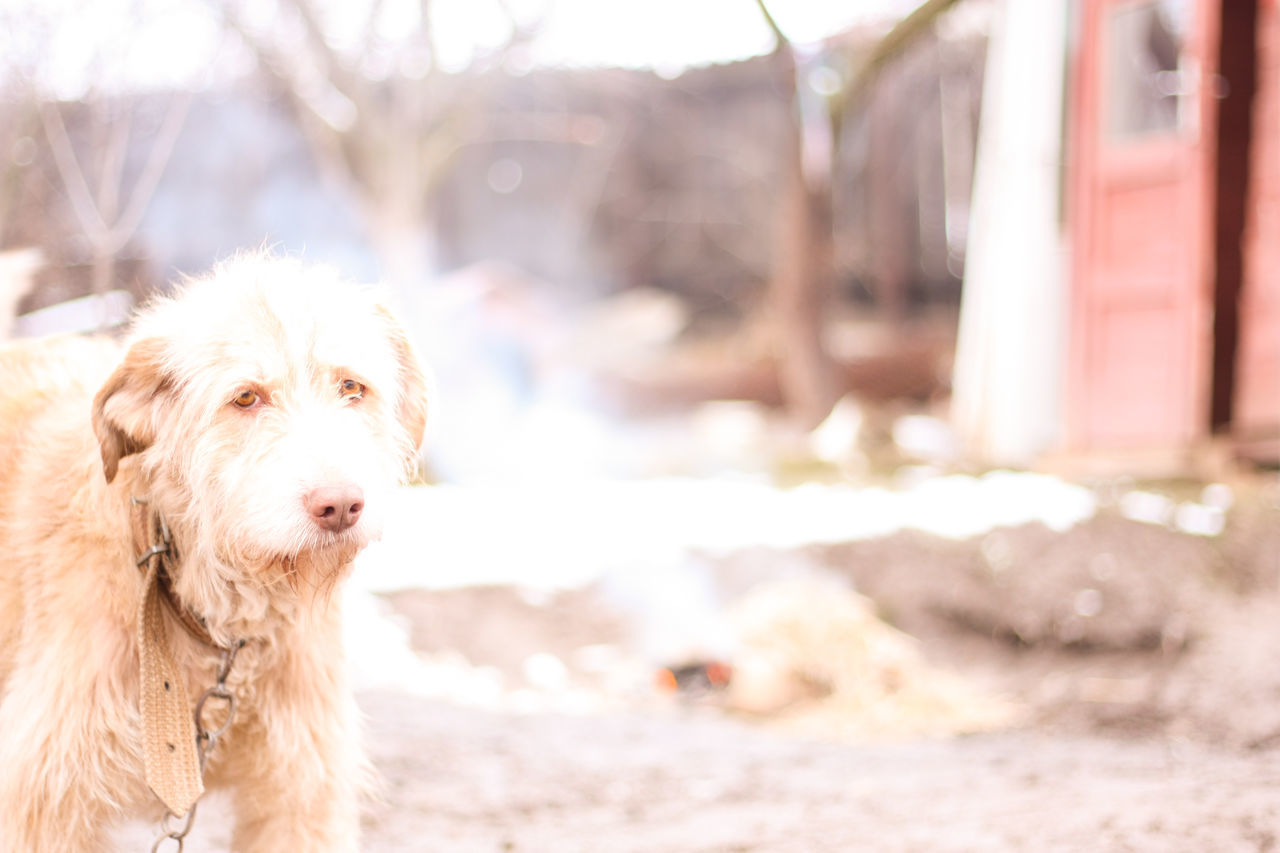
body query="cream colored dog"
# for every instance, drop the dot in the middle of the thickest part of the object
(262, 417)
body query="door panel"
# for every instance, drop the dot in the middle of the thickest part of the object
(1141, 224)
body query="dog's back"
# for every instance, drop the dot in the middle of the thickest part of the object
(39, 380)
(41, 371)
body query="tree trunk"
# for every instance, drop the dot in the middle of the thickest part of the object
(103, 271)
(888, 198)
(405, 250)
(802, 272)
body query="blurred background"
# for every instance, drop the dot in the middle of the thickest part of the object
(957, 319)
(1053, 232)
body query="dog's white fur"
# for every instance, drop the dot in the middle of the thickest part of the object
(82, 431)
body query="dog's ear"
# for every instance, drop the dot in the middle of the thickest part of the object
(124, 408)
(411, 403)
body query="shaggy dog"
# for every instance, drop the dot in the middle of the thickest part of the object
(251, 433)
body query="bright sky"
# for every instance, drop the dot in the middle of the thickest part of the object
(161, 43)
(662, 34)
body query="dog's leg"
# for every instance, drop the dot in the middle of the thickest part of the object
(302, 803)
(298, 776)
(319, 820)
(65, 758)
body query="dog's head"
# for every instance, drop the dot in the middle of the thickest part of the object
(270, 409)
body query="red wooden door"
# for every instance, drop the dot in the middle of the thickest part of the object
(1257, 392)
(1141, 224)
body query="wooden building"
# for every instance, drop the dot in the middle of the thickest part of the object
(1173, 227)
(1122, 291)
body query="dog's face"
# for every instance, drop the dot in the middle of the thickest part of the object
(271, 410)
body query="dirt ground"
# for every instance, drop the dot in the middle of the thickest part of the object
(462, 781)
(1134, 669)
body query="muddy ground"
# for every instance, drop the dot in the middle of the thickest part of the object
(1118, 689)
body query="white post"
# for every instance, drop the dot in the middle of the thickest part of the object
(1008, 383)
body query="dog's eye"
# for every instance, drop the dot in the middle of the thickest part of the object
(350, 389)
(246, 399)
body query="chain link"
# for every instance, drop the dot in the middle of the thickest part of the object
(206, 740)
(176, 835)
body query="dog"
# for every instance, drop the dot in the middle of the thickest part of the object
(217, 474)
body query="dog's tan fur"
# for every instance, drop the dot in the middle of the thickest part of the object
(82, 431)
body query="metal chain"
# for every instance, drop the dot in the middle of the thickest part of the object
(206, 740)
(176, 835)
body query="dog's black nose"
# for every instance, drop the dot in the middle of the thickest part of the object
(335, 508)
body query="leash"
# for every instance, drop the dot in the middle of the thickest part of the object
(176, 742)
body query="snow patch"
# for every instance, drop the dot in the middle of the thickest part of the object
(544, 536)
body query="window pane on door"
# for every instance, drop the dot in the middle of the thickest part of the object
(1145, 68)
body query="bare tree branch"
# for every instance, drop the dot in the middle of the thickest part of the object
(427, 27)
(403, 132)
(99, 217)
(367, 33)
(73, 178)
(324, 139)
(780, 39)
(899, 37)
(153, 170)
(111, 169)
